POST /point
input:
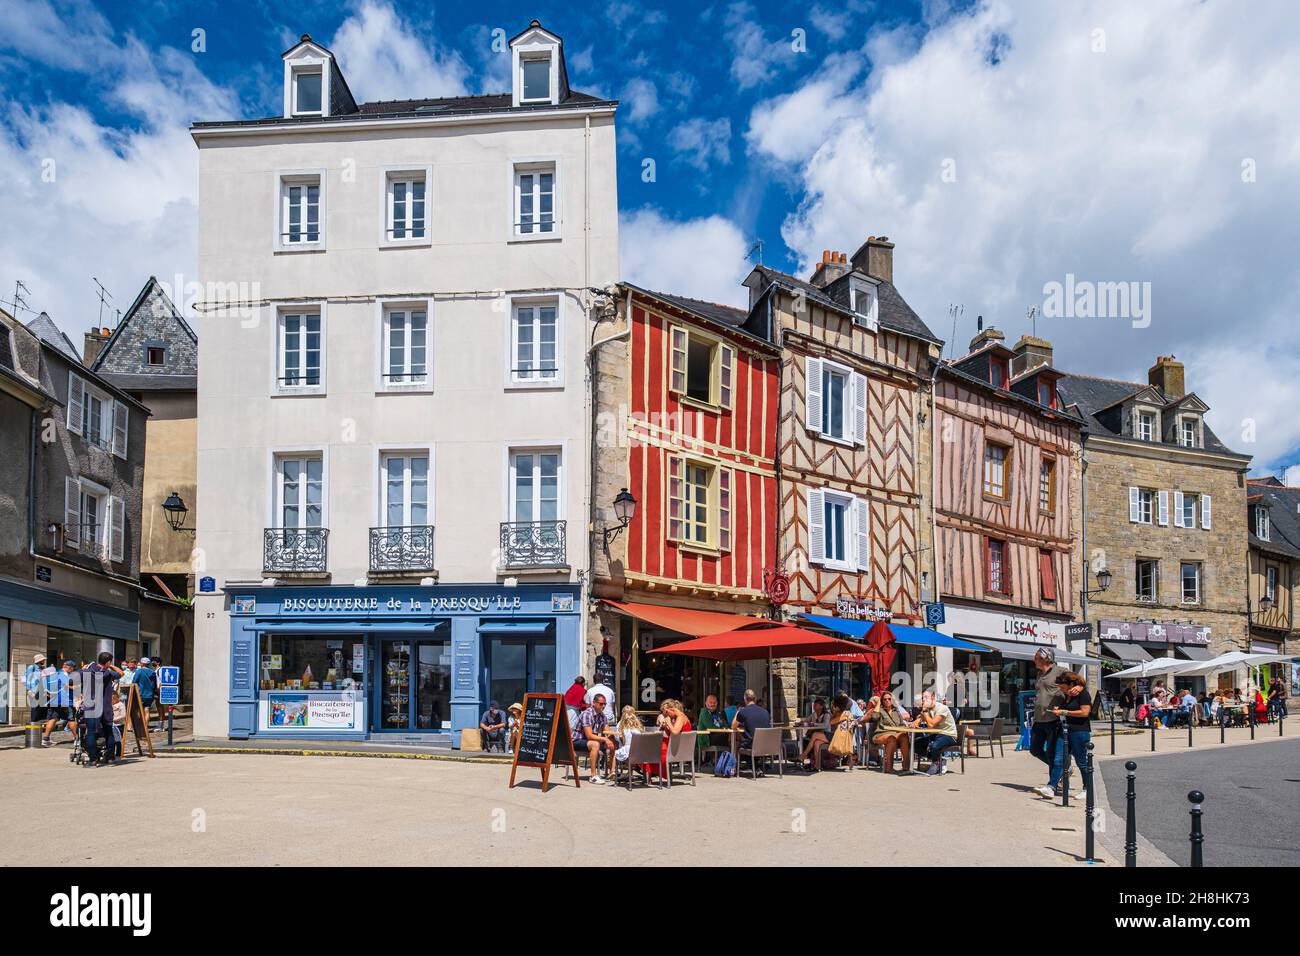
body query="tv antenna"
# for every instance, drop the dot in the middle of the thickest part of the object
(955, 311)
(757, 246)
(103, 294)
(1032, 316)
(19, 302)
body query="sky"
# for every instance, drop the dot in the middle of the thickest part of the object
(1011, 150)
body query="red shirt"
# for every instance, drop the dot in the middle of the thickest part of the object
(576, 696)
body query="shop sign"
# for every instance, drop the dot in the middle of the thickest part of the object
(560, 603)
(1027, 629)
(1078, 632)
(1150, 632)
(935, 614)
(43, 573)
(860, 609)
(313, 713)
(436, 604)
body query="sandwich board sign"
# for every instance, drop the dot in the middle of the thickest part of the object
(544, 738)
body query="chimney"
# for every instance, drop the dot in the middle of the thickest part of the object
(1167, 375)
(833, 265)
(876, 258)
(1030, 352)
(95, 341)
(984, 336)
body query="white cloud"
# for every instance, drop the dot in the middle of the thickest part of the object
(386, 58)
(701, 142)
(1122, 165)
(833, 23)
(641, 99)
(755, 59)
(702, 258)
(1291, 477)
(790, 128)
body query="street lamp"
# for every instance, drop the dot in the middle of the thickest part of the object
(1104, 577)
(625, 511)
(174, 508)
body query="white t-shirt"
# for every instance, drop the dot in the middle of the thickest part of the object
(608, 691)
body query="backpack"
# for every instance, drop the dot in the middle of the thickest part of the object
(725, 766)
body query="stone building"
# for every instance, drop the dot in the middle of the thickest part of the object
(1165, 506)
(152, 355)
(70, 485)
(1273, 526)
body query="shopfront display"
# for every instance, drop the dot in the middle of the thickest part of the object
(363, 662)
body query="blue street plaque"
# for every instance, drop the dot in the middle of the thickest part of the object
(170, 694)
(169, 677)
(934, 615)
(207, 585)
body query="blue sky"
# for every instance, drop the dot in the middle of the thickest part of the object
(1002, 145)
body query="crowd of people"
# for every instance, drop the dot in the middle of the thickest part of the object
(1174, 708)
(90, 699)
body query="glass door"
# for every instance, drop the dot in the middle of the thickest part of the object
(413, 690)
(516, 666)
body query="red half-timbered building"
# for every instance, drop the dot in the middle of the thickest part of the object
(684, 419)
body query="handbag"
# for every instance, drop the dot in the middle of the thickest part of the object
(119, 712)
(841, 744)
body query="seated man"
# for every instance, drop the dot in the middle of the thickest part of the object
(592, 735)
(711, 717)
(493, 725)
(936, 715)
(753, 716)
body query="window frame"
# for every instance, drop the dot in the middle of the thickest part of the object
(1000, 372)
(280, 311)
(536, 448)
(534, 300)
(1141, 417)
(1195, 422)
(1047, 463)
(1007, 450)
(535, 56)
(275, 500)
(723, 356)
(1047, 576)
(308, 69)
(383, 309)
(1262, 521)
(389, 175)
(519, 166)
(870, 318)
(1155, 580)
(406, 452)
(1182, 582)
(1004, 567)
(713, 528)
(284, 180)
(1272, 575)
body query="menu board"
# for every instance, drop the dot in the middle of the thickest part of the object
(544, 737)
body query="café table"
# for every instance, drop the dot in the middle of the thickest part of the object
(915, 757)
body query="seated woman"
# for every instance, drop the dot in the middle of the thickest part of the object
(809, 757)
(672, 720)
(889, 722)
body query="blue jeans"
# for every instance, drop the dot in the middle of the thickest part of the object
(1078, 744)
(1058, 763)
(94, 727)
(938, 744)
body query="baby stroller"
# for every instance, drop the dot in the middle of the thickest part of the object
(80, 749)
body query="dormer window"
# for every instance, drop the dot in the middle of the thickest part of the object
(1046, 393)
(535, 78)
(1146, 426)
(1187, 432)
(865, 303)
(999, 372)
(308, 91)
(1261, 524)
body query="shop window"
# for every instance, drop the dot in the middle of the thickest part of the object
(516, 666)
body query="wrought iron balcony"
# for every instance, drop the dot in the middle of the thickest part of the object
(533, 544)
(294, 550)
(398, 549)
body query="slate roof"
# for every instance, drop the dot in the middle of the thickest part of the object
(152, 382)
(43, 328)
(956, 371)
(895, 314)
(724, 315)
(1283, 516)
(407, 109)
(1091, 395)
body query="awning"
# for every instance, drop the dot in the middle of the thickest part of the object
(901, 632)
(1128, 653)
(784, 640)
(518, 628)
(683, 621)
(1193, 652)
(1020, 651)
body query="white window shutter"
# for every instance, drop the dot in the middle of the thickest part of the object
(677, 366)
(1205, 512)
(1134, 506)
(117, 540)
(859, 409)
(1162, 507)
(813, 400)
(72, 512)
(724, 508)
(76, 402)
(726, 375)
(121, 419)
(1178, 509)
(816, 527)
(862, 531)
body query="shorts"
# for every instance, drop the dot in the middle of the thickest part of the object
(60, 713)
(38, 713)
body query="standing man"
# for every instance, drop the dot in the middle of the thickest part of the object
(575, 700)
(99, 690)
(604, 690)
(1046, 741)
(37, 697)
(146, 685)
(59, 687)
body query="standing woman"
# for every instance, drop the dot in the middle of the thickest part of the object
(672, 720)
(1077, 711)
(1126, 703)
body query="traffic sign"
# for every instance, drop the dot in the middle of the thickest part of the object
(170, 694)
(169, 676)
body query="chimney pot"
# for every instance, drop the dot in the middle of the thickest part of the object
(826, 255)
(1168, 376)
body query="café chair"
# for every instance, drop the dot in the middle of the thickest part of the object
(990, 734)
(681, 751)
(644, 752)
(767, 743)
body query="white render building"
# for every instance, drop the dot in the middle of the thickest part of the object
(393, 448)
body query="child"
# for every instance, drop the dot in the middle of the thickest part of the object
(629, 724)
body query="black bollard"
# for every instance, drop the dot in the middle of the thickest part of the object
(1151, 719)
(1112, 731)
(1279, 722)
(170, 708)
(1130, 817)
(1251, 710)
(1090, 810)
(1223, 722)
(1065, 769)
(1196, 836)
(1189, 728)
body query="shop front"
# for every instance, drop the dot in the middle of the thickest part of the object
(1135, 642)
(376, 662)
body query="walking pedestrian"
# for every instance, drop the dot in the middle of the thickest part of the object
(1076, 709)
(146, 685)
(34, 681)
(59, 687)
(1045, 740)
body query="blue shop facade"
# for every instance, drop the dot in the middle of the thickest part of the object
(393, 662)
